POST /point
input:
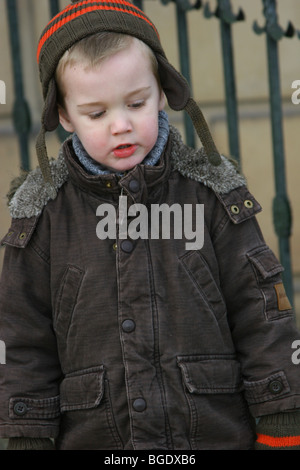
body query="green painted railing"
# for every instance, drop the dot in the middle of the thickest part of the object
(21, 113)
(227, 18)
(282, 218)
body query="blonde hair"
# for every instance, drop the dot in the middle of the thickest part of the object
(92, 50)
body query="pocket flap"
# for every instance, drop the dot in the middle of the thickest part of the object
(265, 262)
(82, 389)
(207, 374)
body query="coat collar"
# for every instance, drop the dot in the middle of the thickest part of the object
(32, 196)
(136, 183)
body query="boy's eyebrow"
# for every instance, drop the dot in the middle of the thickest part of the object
(99, 103)
(138, 90)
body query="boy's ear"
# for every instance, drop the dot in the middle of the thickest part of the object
(162, 101)
(64, 119)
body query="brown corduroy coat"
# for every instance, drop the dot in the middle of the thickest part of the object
(142, 344)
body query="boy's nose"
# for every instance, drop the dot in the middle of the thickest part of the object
(121, 124)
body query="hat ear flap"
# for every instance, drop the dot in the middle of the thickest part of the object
(175, 86)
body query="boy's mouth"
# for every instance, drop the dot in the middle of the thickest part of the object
(124, 150)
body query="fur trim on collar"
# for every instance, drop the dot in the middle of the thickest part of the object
(31, 197)
(194, 164)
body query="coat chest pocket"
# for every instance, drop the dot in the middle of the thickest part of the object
(67, 298)
(219, 418)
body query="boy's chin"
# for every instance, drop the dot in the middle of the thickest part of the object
(127, 165)
(122, 168)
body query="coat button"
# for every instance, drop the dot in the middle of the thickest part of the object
(275, 387)
(249, 204)
(127, 246)
(128, 326)
(20, 408)
(134, 186)
(234, 209)
(139, 404)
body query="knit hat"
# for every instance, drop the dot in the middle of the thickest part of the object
(84, 18)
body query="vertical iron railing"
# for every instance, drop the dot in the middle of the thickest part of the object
(182, 8)
(227, 18)
(282, 218)
(21, 113)
(281, 207)
(54, 7)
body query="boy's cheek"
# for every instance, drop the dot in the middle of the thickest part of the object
(93, 145)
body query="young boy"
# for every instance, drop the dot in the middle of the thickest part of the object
(118, 337)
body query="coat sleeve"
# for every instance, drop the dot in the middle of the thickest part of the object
(260, 316)
(29, 380)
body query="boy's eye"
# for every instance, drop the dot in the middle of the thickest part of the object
(96, 115)
(137, 104)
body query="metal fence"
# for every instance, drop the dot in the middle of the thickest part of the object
(271, 31)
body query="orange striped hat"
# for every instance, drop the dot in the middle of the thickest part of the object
(87, 17)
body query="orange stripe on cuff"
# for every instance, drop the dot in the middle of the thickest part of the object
(270, 441)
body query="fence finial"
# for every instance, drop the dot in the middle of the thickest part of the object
(272, 27)
(224, 11)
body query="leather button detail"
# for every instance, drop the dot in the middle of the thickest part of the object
(127, 246)
(139, 404)
(128, 325)
(234, 209)
(20, 408)
(249, 204)
(134, 186)
(275, 387)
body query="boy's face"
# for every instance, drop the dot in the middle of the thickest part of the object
(113, 107)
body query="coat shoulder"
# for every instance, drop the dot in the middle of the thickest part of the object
(194, 164)
(225, 180)
(29, 195)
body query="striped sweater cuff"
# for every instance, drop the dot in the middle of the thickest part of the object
(278, 432)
